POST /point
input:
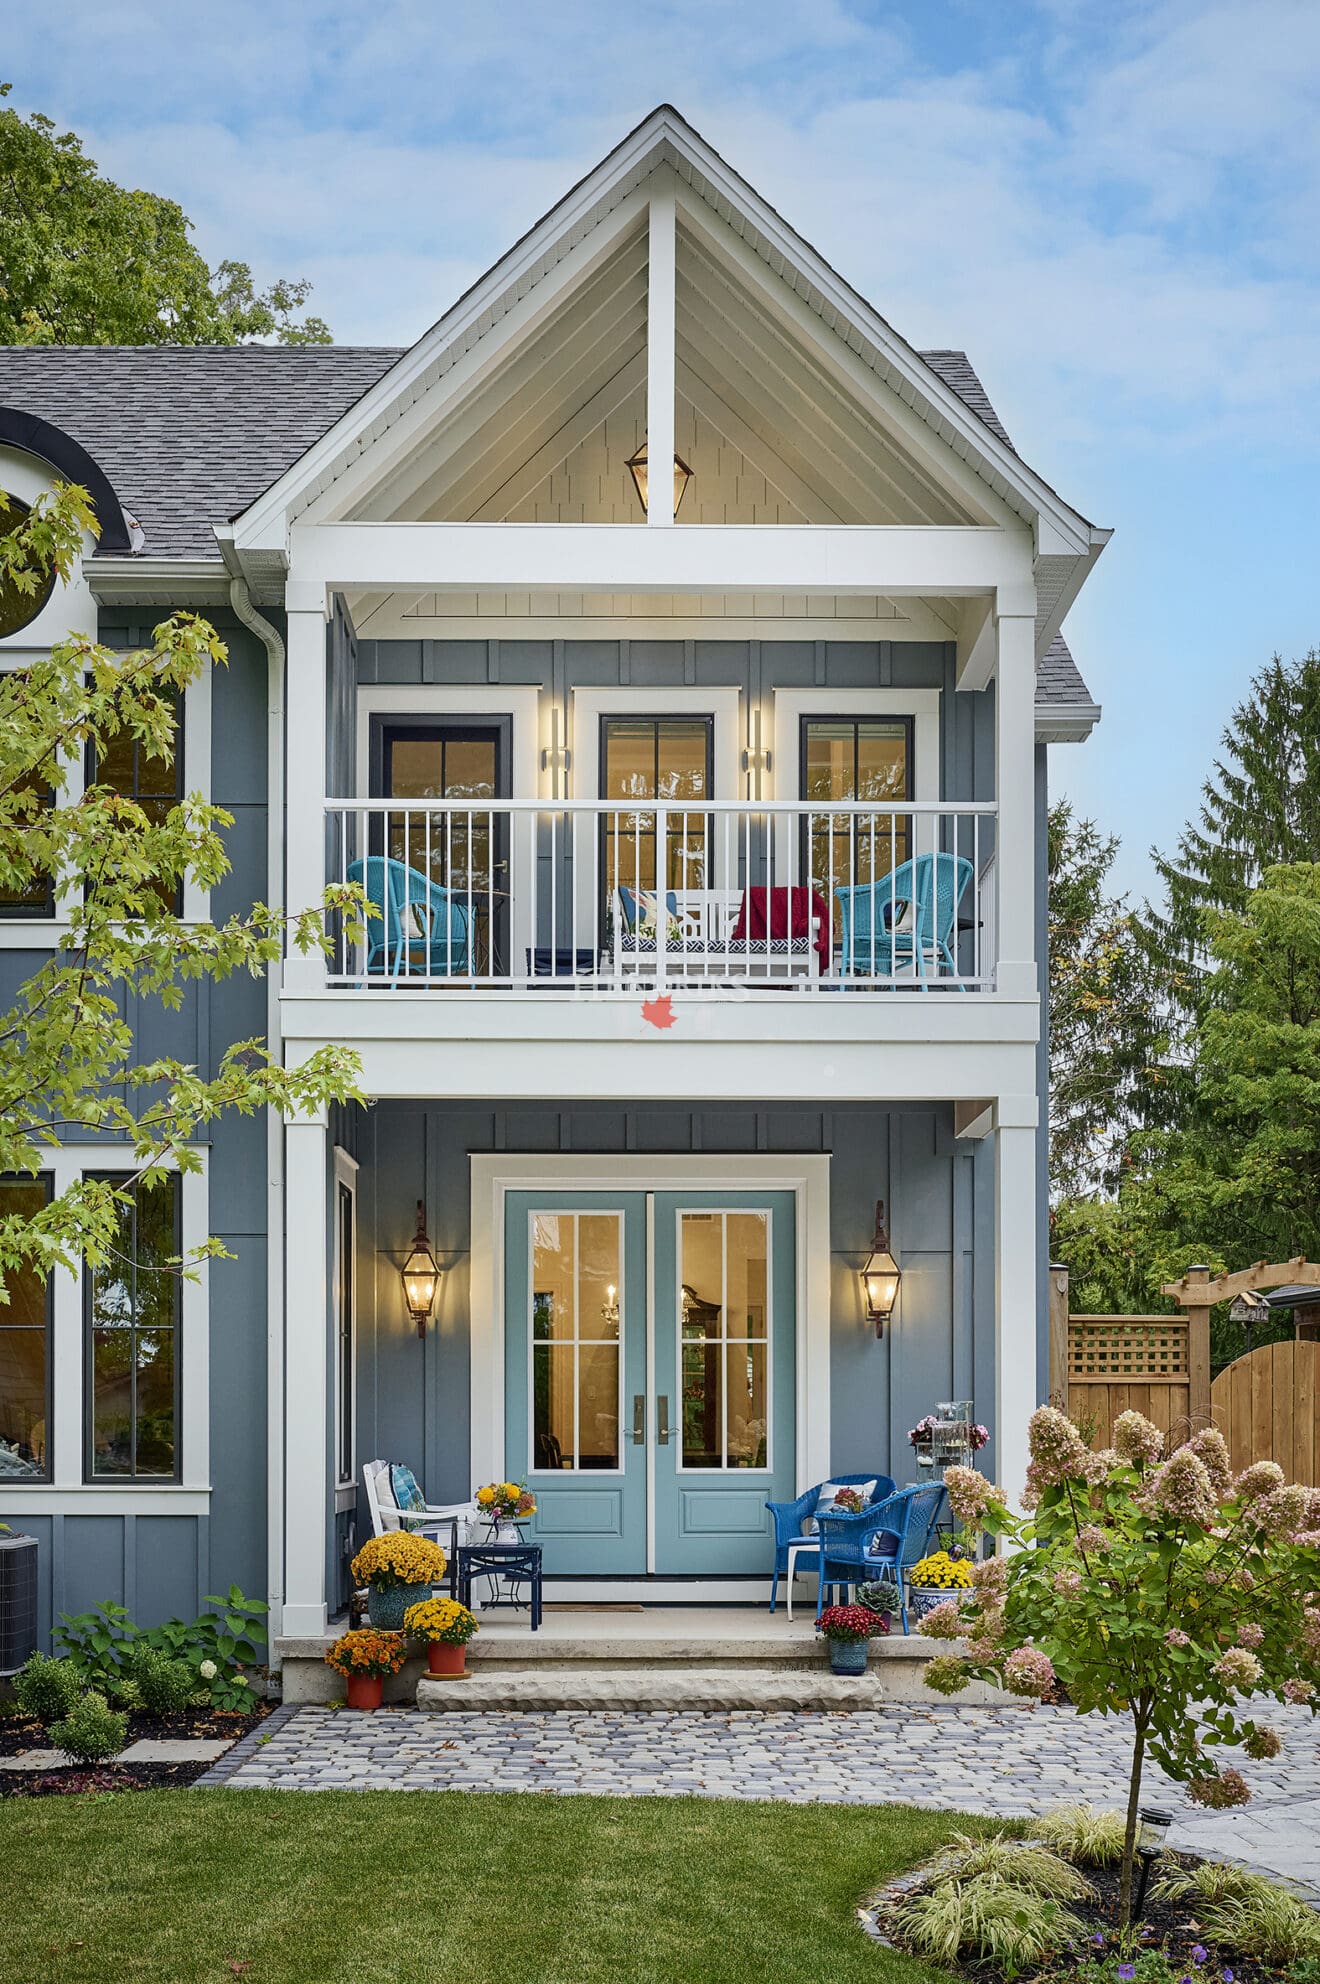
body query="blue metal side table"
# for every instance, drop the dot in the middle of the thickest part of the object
(515, 1563)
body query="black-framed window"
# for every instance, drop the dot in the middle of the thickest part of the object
(345, 1332)
(645, 759)
(130, 768)
(132, 1313)
(867, 759)
(26, 1364)
(38, 898)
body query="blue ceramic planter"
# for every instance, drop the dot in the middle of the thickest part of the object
(846, 1658)
(386, 1608)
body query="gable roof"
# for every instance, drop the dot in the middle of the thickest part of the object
(189, 435)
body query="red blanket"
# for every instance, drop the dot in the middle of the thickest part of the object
(791, 913)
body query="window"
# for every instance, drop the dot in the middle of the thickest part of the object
(18, 609)
(665, 758)
(864, 759)
(345, 1331)
(127, 766)
(25, 1361)
(38, 898)
(132, 1325)
(577, 1298)
(724, 1341)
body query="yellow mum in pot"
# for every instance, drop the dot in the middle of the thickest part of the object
(395, 1559)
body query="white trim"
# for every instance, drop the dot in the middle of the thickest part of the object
(922, 705)
(723, 704)
(345, 1175)
(661, 333)
(67, 1163)
(493, 1177)
(750, 1591)
(442, 699)
(167, 1499)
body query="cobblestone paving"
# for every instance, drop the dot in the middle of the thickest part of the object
(1008, 1762)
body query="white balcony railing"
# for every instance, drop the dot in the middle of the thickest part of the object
(530, 894)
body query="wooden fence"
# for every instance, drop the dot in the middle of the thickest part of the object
(1267, 1406)
(1146, 1364)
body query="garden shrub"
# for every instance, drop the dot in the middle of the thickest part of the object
(1160, 1586)
(1024, 1866)
(988, 1918)
(46, 1688)
(218, 1648)
(91, 1731)
(164, 1686)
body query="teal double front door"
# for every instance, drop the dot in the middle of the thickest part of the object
(650, 1377)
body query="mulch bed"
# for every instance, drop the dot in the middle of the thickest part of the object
(1172, 1928)
(19, 1733)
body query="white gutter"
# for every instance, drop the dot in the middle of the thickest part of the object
(240, 599)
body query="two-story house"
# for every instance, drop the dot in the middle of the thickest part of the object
(671, 652)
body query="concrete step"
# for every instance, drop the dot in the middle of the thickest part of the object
(598, 1687)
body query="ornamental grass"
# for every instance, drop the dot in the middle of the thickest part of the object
(441, 1620)
(367, 1651)
(397, 1559)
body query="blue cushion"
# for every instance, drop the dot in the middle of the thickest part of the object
(407, 1495)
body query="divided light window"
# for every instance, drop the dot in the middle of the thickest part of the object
(643, 759)
(344, 1332)
(867, 759)
(132, 1311)
(129, 768)
(25, 1360)
(38, 898)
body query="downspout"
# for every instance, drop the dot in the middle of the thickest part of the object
(240, 599)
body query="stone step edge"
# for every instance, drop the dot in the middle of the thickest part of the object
(751, 1688)
(529, 1649)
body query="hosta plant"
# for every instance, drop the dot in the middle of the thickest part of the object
(1155, 1584)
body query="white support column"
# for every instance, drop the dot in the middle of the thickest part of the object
(1015, 1286)
(307, 1491)
(1015, 798)
(660, 335)
(305, 788)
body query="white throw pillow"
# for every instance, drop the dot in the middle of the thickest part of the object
(829, 1494)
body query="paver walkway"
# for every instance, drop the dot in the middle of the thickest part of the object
(1009, 1762)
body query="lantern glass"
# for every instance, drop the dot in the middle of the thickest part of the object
(420, 1275)
(881, 1276)
(1153, 1829)
(640, 471)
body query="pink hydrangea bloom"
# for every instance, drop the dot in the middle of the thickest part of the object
(947, 1674)
(991, 1575)
(1238, 1669)
(1311, 1630)
(1219, 1790)
(1250, 1634)
(1261, 1478)
(1067, 1582)
(1137, 1440)
(1058, 1451)
(1298, 1691)
(942, 1622)
(970, 1494)
(1182, 1488)
(1177, 1637)
(1283, 1511)
(1211, 1449)
(1092, 1538)
(1028, 1671)
(1262, 1743)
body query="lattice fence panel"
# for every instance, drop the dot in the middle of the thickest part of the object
(1127, 1350)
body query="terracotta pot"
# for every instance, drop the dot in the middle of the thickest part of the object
(443, 1659)
(364, 1690)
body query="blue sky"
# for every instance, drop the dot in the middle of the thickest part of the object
(1111, 206)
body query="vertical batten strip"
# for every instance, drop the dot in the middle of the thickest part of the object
(660, 335)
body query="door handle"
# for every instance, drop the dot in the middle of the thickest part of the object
(639, 1419)
(662, 1421)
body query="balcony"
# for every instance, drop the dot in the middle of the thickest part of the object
(495, 897)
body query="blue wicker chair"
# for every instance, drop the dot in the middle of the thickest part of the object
(878, 1545)
(790, 1519)
(906, 917)
(397, 890)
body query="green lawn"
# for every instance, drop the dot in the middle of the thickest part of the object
(447, 1888)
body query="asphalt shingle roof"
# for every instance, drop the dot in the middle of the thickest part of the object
(190, 435)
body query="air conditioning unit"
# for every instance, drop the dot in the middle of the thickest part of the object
(18, 1601)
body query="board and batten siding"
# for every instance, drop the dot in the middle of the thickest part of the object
(938, 1191)
(160, 1565)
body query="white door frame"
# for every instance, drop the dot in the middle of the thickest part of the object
(494, 1177)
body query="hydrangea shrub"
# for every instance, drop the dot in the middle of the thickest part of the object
(1155, 1584)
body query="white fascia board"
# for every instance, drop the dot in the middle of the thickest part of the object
(1065, 723)
(697, 558)
(1078, 570)
(124, 581)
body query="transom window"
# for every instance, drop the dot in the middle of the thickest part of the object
(132, 1322)
(577, 1309)
(724, 1306)
(25, 1360)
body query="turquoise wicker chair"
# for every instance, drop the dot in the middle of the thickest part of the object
(880, 1544)
(907, 917)
(790, 1519)
(397, 892)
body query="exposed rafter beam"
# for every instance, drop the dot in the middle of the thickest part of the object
(977, 647)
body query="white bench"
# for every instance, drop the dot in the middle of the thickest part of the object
(704, 945)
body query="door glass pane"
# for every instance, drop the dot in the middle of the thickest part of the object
(455, 850)
(724, 1327)
(132, 1314)
(576, 1328)
(846, 759)
(655, 758)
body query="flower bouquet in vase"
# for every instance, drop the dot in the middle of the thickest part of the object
(505, 1504)
(447, 1627)
(364, 1658)
(397, 1569)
